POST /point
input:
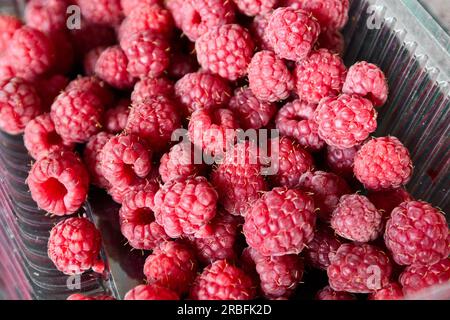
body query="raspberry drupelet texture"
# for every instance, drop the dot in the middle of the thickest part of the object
(332, 40)
(179, 162)
(84, 41)
(202, 90)
(356, 218)
(48, 88)
(345, 121)
(101, 11)
(129, 5)
(326, 188)
(148, 87)
(74, 245)
(417, 233)
(184, 206)
(294, 120)
(154, 119)
(226, 51)
(367, 80)
(322, 248)
(292, 33)
(387, 200)
(255, 7)
(328, 293)
(8, 26)
(90, 60)
(92, 157)
(340, 161)
(269, 78)
(19, 104)
(118, 194)
(111, 67)
(172, 265)
(200, 16)
(46, 15)
(223, 281)
(94, 85)
(40, 137)
(79, 296)
(383, 163)
(116, 118)
(281, 222)
(151, 292)
(59, 183)
(320, 75)
(125, 158)
(392, 291)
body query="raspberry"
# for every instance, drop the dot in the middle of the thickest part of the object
(118, 194)
(151, 292)
(332, 40)
(40, 137)
(392, 291)
(92, 156)
(416, 278)
(147, 53)
(84, 41)
(320, 75)
(48, 88)
(94, 85)
(258, 28)
(213, 131)
(345, 121)
(172, 265)
(154, 120)
(417, 233)
(290, 162)
(79, 296)
(322, 248)
(281, 222)
(181, 64)
(6, 69)
(137, 221)
(326, 188)
(368, 81)
(269, 79)
(386, 201)
(179, 163)
(8, 26)
(101, 11)
(200, 16)
(90, 60)
(111, 67)
(149, 87)
(292, 33)
(64, 52)
(19, 104)
(226, 51)
(223, 281)
(251, 112)
(46, 15)
(129, 5)
(183, 207)
(77, 115)
(116, 118)
(340, 161)
(125, 158)
(175, 8)
(255, 7)
(356, 218)
(383, 163)
(328, 293)
(201, 90)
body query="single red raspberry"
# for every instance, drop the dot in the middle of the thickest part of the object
(417, 233)
(388, 200)
(48, 88)
(292, 33)
(332, 40)
(290, 162)
(200, 16)
(154, 120)
(226, 51)
(118, 194)
(151, 292)
(327, 188)
(92, 84)
(90, 60)
(8, 26)
(255, 7)
(92, 156)
(340, 161)
(46, 15)
(116, 118)
(320, 75)
(179, 162)
(19, 104)
(416, 278)
(345, 121)
(367, 80)
(201, 90)
(181, 64)
(223, 281)
(184, 206)
(40, 137)
(269, 78)
(111, 67)
(383, 163)
(125, 158)
(328, 293)
(129, 5)
(149, 87)
(84, 41)
(273, 229)
(258, 28)
(356, 218)
(79, 296)
(101, 11)
(321, 250)
(392, 291)
(172, 265)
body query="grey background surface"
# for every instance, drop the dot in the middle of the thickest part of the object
(440, 9)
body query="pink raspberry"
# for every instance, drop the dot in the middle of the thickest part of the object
(392, 291)
(258, 28)
(181, 64)
(353, 267)
(118, 194)
(151, 292)
(201, 90)
(223, 281)
(94, 85)
(92, 156)
(345, 121)
(90, 60)
(273, 230)
(226, 51)
(368, 81)
(184, 206)
(320, 75)
(269, 79)
(154, 120)
(383, 163)
(255, 7)
(8, 26)
(322, 248)
(129, 5)
(328, 293)
(40, 137)
(292, 33)
(116, 118)
(79, 296)
(176, 9)
(19, 104)
(59, 183)
(101, 11)
(387, 200)
(148, 87)
(200, 16)
(46, 15)
(417, 233)
(6, 69)
(48, 88)
(111, 67)
(294, 120)
(340, 161)
(84, 41)
(172, 265)
(332, 40)
(179, 162)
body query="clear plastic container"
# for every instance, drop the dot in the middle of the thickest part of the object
(398, 35)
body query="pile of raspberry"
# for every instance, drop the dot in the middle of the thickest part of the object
(103, 110)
